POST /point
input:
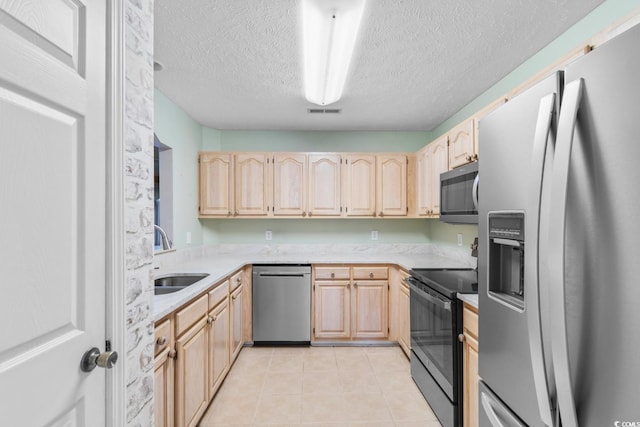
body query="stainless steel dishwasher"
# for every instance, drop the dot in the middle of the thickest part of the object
(281, 304)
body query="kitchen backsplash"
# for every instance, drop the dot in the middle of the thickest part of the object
(167, 259)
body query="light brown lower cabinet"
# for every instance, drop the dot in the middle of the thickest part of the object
(190, 369)
(236, 322)
(351, 302)
(163, 375)
(470, 365)
(403, 317)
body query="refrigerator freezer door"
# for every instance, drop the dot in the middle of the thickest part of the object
(506, 144)
(493, 413)
(598, 269)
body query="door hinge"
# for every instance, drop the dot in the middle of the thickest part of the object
(314, 287)
(407, 209)
(314, 330)
(407, 160)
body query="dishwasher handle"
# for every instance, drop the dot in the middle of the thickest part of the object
(283, 274)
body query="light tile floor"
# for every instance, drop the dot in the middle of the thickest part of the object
(320, 386)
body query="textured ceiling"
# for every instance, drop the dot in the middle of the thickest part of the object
(237, 64)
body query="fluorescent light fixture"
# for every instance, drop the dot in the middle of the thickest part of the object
(330, 28)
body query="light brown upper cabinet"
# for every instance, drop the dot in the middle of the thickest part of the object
(290, 184)
(432, 160)
(360, 185)
(376, 185)
(252, 184)
(216, 184)
(391, 185)
(324, 196)
(462, 149)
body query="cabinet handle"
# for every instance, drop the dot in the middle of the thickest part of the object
(348, 285)
(375, 214)
(210, 320)
(238, 279)
(468, 158)
(215, 318)
(475, 157)
(355, 284)
(333, 275)
(304, 214)
(234, 297)
(461, 338)
(229, 213)
(309, 214)
(236, 213)
(381, 214)
(371, 275)
(161, 341)
(172, 354)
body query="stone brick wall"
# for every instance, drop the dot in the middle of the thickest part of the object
(138, 182)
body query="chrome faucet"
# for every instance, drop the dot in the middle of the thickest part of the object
(166, 243)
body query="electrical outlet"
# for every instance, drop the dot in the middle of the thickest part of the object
(374, 235)
(268, 235)
(459, 239)
(188, 238)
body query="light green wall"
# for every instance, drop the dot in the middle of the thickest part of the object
(211, 139)
(315, 230)
(179, 131)
(322, 141)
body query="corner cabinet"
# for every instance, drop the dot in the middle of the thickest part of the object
(470, 365)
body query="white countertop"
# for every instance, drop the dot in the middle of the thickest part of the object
(471, 299)
(219, 266)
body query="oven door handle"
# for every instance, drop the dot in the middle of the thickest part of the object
(446, 305)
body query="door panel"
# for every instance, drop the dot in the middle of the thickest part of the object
(52, 166)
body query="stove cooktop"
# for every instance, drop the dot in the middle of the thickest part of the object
(448, 281)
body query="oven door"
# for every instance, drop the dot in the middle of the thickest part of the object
(433, 337)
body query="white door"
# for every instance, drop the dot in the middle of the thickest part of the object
(52, 211)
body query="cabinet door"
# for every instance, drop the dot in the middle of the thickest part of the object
(461, 144)
(191, 375)
(360, 186)
(216, 188)
(324, 185)
(471, 380)
(290, 184)
(251, 184)
(369, 308)
(392, 185)
(404, 327)
(424, 187)
(439, 156)
(163, 389)
(219, 345)
(332, 309)
(236, 323)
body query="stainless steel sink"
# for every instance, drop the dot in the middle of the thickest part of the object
(176, 282)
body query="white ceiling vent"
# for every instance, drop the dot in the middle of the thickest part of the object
(324, 110)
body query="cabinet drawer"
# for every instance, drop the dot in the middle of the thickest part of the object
(364, 273)
(470, 320)
(191, 314)
(332, 273)
(236, 280)
(162, 335)
(218, 294)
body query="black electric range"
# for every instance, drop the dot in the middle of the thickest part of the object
(436, 322)
(448, 281)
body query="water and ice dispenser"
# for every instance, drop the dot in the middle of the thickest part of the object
(506, 257)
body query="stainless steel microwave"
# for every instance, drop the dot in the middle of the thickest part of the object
(459, 195)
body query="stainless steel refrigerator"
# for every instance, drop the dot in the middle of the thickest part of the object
(559, 273)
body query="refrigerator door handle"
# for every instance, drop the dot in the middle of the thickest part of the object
(557, 241)
(532, 279)
(498, 416)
